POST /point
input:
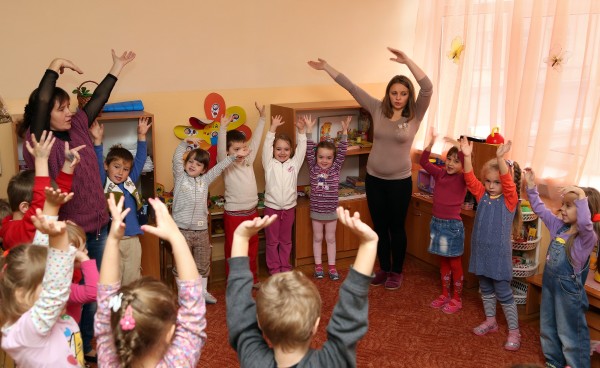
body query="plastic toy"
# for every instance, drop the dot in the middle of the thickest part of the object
(495, 137)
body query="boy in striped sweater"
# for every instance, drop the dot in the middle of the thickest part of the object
(325, 163)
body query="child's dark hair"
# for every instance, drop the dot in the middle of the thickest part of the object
(593, 199)
(23, 268)
(4, 209)
(454, 151)
(285, 138)
(199, 155)
(235, 136)
(117, 152)
(328, 145)
(20, 189)
(58, 95)
(154, 309)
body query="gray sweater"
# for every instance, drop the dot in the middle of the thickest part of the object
(190, 209)
(348, 324)
(390, 155)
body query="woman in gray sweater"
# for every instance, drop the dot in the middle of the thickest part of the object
(396, 121)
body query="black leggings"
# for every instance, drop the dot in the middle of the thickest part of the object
(388, 204)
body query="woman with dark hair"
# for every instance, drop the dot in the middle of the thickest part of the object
(396, 121)
(48, 109)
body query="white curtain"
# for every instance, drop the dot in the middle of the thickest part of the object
(530, 67)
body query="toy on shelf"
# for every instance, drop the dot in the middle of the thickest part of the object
(164, 196)
(495, 137)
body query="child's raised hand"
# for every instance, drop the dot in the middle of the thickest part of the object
(359, 228)
(503, 149)
(346, 124)
(529, 177)
(249, 228)
(276, 122)
(117, 226)
(317, 65)
(432, 137)
(143, 125)
(165, 227)
(225, 120)
(309, 122)
(97, 132)
(72, 157)
(573, 189)
(48, 226)
(465, 146)
(301, 125)
(452, 141)
(57, 198)
(261, 109)
(42, 148)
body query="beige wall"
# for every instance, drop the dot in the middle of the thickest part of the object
(247, 51)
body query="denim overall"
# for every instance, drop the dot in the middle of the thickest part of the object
(564, 333)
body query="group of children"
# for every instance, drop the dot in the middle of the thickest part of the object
(140, 322)
(575, 232)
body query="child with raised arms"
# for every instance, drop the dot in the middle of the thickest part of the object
(491, 242)
(282, 164)
(574, 231)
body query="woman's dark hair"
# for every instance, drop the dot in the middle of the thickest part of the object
(58, 95)
(411, 105)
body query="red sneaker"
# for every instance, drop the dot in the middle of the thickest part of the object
(441, 301)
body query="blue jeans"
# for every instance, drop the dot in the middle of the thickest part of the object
(95, 244)
(564, 333)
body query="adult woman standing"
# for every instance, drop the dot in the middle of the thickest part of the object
(48, 109)
(396, 121)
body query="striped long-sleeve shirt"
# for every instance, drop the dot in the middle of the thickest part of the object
(324, 183)
(190, 210)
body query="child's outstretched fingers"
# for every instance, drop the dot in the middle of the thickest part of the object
(250, 228)
(529, 177)
(56, 197)
(503, 149)
(47, 226)
(355, 224)
(117, 226)
(165, 225)
(465, 146)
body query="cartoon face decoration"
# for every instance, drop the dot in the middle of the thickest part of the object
(214, 110)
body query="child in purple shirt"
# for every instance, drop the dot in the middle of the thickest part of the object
(574, 231)
(142, 324)
(446, 229)
(324, 164)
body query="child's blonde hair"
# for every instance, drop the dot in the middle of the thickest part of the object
(22, 269)
(593, 199)
(154, 311)
(515, 170)
(76, 234)
(288, 305)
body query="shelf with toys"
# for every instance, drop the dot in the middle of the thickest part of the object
(525, 252)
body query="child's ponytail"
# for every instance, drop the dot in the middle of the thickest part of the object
(518, 219)
(147, 312)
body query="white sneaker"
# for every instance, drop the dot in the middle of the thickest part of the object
(209, 298)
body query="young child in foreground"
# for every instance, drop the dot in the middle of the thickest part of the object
(574, 231)
(34, 289)
(142, 324)
(288, 306)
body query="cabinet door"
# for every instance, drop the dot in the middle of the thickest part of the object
(417, 223)
(303, 232)
(345, 239)
(150, 256)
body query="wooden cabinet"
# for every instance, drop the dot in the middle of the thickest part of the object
(346, 242)
(417, 232)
